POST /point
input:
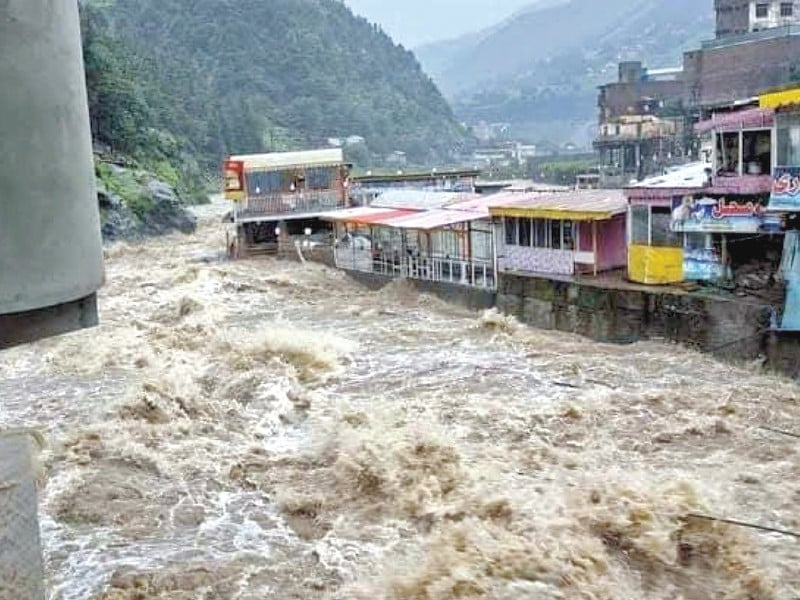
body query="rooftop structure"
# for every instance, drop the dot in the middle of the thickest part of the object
(641, 125)
(365, 187)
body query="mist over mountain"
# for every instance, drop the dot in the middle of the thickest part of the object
(539, 69)
(416, 22)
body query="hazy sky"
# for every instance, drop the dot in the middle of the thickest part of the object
(416, 22)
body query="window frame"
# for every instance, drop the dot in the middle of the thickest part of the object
(762, 7)
(787, 10)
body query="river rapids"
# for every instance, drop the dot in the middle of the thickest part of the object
(264, 429)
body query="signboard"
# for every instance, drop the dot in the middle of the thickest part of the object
(701, 264)
(786, 190)
(233, 172)
(711, 215)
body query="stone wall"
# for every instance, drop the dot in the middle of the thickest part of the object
(728, 328)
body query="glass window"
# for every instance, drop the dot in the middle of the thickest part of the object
(555, 235)
(540, 228)
(787, 9)
(762, 10)
(788, 126)
(524, 232)
(661, 233)
(640, 225)
(757, 152)
(569, 237)
(728, 152)
(511, 231)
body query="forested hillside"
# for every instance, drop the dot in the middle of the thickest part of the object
(203, 78)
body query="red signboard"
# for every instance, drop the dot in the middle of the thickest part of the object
(234, 179)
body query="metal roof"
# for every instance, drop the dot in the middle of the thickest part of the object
(287, 160)
(692, 175)
(578, 205)
(369, 177)
(365, 215)
(418, 199)
(434, 219)
(482, 204)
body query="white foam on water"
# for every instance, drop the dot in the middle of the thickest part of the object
(241, 430)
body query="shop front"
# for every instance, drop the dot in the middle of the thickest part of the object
(711, 227)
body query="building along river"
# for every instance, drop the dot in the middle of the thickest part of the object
(263, 429)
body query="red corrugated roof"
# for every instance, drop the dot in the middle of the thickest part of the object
(384, 218)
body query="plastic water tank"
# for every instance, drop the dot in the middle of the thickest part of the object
(50, 247)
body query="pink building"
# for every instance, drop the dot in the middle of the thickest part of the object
(581, 231)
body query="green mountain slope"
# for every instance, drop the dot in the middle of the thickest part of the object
(235, 76)
(539, 70)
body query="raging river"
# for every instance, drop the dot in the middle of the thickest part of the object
(263, 429)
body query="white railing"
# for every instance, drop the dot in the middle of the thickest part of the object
(474, 273)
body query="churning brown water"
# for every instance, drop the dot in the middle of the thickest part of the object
(262, 429)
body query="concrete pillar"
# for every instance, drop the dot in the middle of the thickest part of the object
(21, 567)
(50, 246)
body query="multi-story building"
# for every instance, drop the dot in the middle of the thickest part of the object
(743, 16)
(642, 123)
(645, 116)
(280, 195)
(757, 46)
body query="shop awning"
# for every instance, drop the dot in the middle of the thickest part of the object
(434, 219)
(403, 199)
(580, 205)
(778, 99)
(365, 215)
(754, 118)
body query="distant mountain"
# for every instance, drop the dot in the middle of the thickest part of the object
(415, 22)
(539, 69)
(236, 76)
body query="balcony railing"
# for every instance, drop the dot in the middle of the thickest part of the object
(290, 203)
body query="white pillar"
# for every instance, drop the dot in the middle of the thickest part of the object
(50, 247)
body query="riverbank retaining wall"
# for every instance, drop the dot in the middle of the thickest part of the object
(730, 328)
(711, 324)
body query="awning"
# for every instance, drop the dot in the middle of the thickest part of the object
(581, 205)
(779, 99)
(754, 118)
(434, 219)
(409, 199)
(364, 215)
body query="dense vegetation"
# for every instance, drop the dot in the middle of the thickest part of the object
(201, 79)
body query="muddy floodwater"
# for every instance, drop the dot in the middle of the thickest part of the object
(262, 429)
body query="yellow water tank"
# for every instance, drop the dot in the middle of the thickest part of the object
(655, 265)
